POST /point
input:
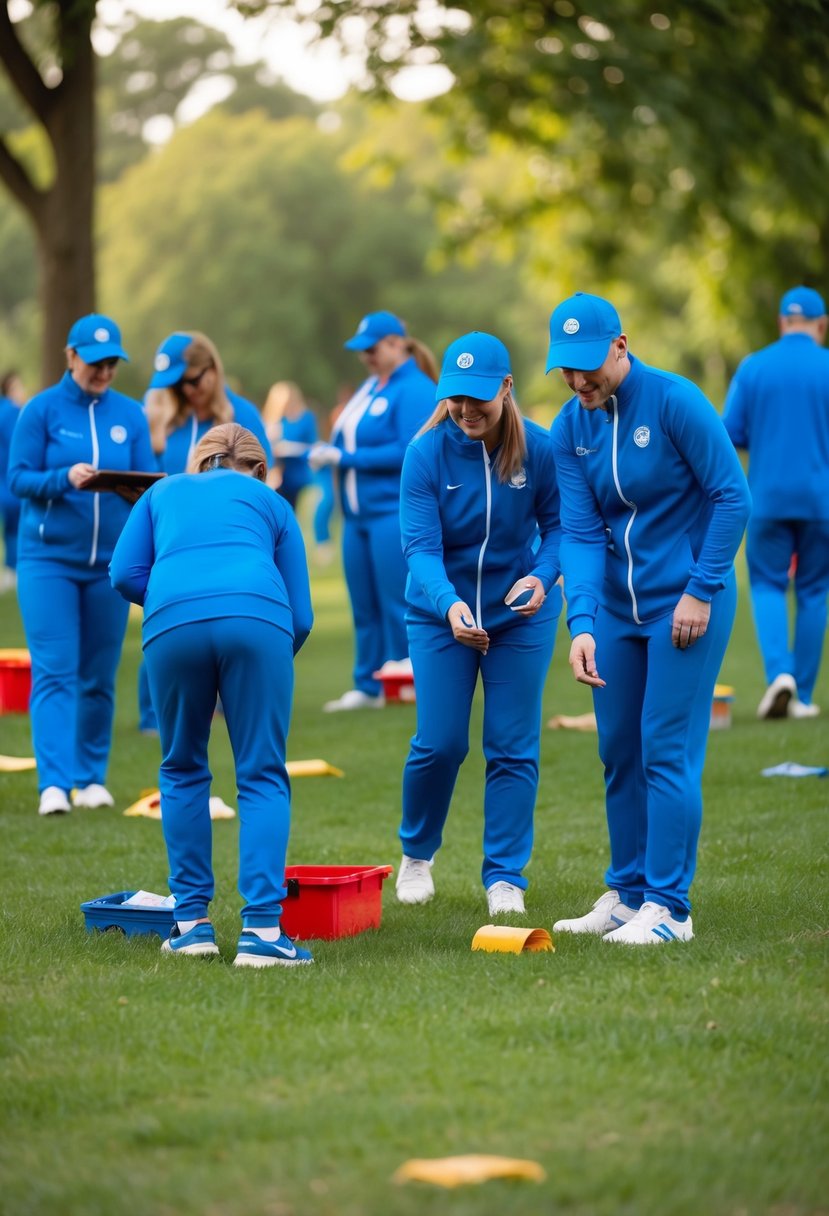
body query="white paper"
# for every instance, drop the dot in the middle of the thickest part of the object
(148, 899)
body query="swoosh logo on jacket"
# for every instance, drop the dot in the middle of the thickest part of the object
(457, 487)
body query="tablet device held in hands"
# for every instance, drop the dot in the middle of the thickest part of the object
(118, 479)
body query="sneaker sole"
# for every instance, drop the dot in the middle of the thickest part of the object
(403, 898)
(206, 950)
(55, 810)
(257, 960)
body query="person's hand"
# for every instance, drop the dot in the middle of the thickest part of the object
(322, 454)
(80, 474)
(690, 621)
(583, 660)
(464, 629)
(528, 607)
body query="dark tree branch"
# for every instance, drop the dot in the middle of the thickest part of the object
(15, 176)
(21, 71)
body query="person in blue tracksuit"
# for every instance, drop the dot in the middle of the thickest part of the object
(479, 520)
(217, 560)
(12, 399)
(187, 396)
(653, 508)
(777, 409)
(74, 621)
(368, 443)
(292, 431)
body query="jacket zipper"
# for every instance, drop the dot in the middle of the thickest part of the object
(628, 503)
(488, 478)
(96, 497)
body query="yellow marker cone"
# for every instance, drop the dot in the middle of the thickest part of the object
(312, 768)
(16, 764)
(459, 1171)
(504, 939)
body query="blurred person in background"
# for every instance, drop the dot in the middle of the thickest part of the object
(12, 399)
(291, 428)
(74, 621)
(653, 508)
(478, 494)
(187, 395)
(777, 409)
(217, 561)
(367, 446)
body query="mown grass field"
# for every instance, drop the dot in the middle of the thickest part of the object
(681, 1080)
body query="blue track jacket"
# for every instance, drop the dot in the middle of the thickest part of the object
(653, 499)
(468, 536)
(60, 427)
(778, 409)
(372, 433)
(199, 546)
(181, 441)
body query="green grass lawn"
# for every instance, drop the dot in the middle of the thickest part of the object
(687, 1080)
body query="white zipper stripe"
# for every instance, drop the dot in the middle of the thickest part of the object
(488, 474)
(346, 425)
(96, 497)
(194, 437)
(627, 503)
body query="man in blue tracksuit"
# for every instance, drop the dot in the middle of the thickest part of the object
(653, 507)
(73, 619)
(479, 518)
(217, 561)
(367, 446)
(777, 408)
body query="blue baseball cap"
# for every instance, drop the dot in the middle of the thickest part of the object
(802, 302)
(474, 366)
(170, 362)
(373, 328)
(96, 337)
(581, 330)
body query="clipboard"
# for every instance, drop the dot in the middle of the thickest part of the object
(113, 479)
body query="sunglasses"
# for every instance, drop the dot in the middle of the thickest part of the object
(106, 364)
(194, 381)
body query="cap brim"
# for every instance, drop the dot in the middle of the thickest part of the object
(101, 350)
(170, 376)
(482, 388)
(361, 342)
(581, 356)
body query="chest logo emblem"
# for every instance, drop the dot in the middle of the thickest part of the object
(642, 436)
(465, 360)
(580, 451)
(519, 479)
(118, 434)
(571, 326)
(378, 406)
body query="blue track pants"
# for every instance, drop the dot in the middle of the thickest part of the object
(770, 546)
(375, 572)
(324, 479)
(653, 719)
(445, 673)
(249, 663)
(75, 625)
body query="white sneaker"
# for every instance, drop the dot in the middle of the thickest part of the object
(799, 709)
(651, 925)
(396, 668)
(505, 897)
(53, 801)
(219, 808)
(607, 913)
(774, 702)
(414, 884)
(354, 699)
(92, 796)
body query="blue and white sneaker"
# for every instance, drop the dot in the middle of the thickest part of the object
(608, 913)
(651, 926)
(198, 940)
(253, 951)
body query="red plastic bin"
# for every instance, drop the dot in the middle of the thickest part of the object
(15, 681)
(332, 901)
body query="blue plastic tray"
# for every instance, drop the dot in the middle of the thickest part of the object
(108, 912)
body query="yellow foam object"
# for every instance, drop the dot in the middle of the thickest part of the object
(14, 654)
(312, 768)
(16, 764)
(472, 1168)
(504, 939)
(149, 806)
(572, 722)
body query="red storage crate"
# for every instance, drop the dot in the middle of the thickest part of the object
(15, 681)
(332, 901)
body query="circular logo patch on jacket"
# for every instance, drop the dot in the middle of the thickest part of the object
(118, 434)
(378, 406)
(642, 436)
(519, 479)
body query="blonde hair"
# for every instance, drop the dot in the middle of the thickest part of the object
(228, 446)
(513, 448)
(422, 356)
(282, 397)
(167, 408)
